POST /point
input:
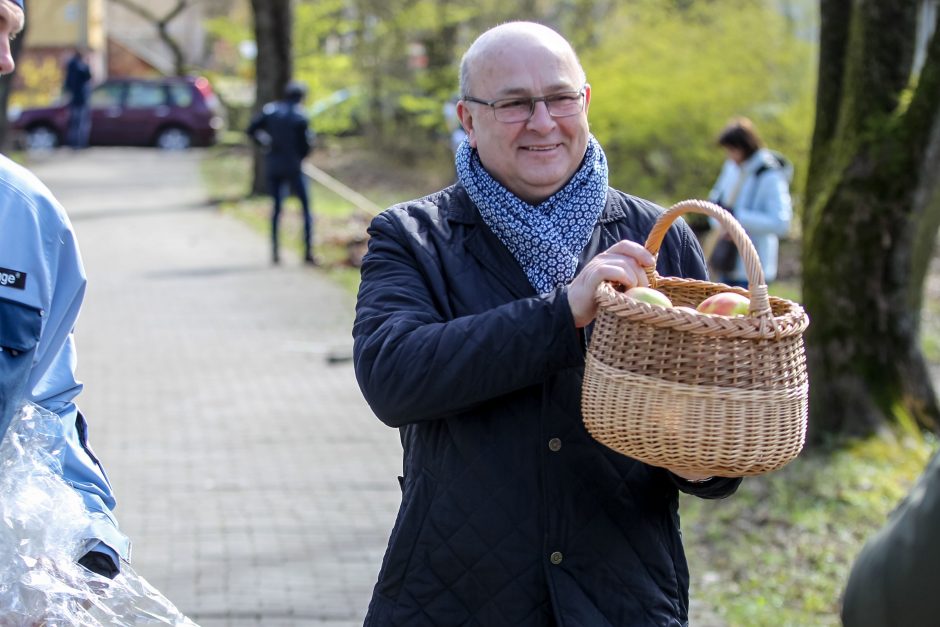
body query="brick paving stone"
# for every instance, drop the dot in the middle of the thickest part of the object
(254, 481)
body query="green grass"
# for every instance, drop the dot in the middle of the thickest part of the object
(227, 174)
(788, 289)
(930, 326)
(778, 552)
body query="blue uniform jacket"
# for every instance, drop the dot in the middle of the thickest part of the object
(283, 131)
(42, 283)
(511, 514)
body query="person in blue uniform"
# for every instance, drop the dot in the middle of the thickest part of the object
(42, 283)
(283, 131)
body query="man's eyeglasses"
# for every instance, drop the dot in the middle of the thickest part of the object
(509, 110)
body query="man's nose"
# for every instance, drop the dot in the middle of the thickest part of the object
(540, 118)
(6, 56)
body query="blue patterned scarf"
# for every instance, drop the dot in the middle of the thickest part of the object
(546, 239)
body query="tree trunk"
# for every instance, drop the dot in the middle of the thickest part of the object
(872, 212)
(273, 65)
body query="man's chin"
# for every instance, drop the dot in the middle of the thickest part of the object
(553, 178)
(537, 191)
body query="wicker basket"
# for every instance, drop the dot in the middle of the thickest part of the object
(698, 394)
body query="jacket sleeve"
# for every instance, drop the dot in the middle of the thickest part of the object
(306, 138)
(772, 208)
(723, 182)
(256, 124)
(412, 364)
(691, 260)
(53, 386)
(895, 579)
(714, 488)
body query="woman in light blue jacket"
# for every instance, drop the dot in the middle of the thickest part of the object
(754, 184)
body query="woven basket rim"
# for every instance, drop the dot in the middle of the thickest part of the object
(765, 325)
(759, 324)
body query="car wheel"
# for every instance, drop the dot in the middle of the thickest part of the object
(41, 138)
(173, 138)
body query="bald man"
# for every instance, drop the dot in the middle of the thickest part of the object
(473, 315)
(42, 285)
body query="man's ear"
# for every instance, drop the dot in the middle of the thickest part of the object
(587, 96)
(466, 120)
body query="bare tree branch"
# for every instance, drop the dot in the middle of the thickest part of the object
(162, 26)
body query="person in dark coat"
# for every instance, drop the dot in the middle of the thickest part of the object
(78, 86)
(895, 578)
(473, 315)
(282, 129)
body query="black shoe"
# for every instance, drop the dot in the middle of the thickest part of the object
(275, 259)
(310, 260)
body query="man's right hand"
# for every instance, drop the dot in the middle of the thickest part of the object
(623, 263)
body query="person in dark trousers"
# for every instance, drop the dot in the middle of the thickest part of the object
(896, 578)
(78, 86)
(42, 286)
(282, 129)
(474, 310)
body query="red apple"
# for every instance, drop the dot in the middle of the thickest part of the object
(725, 304)
(649, 295)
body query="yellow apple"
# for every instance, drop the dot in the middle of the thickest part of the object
(649, 295)
(725, 304)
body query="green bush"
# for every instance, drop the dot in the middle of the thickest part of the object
(665, 80)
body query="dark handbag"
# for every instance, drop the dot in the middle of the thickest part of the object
(724, 257)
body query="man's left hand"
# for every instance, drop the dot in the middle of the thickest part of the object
(623, 263)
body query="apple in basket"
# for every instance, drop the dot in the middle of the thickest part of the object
(725, 304)
(649, 295)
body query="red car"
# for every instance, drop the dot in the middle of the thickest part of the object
(170, 113)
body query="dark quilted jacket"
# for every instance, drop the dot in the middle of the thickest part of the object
(511, 514)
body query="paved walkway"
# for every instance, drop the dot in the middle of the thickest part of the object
(255, 483)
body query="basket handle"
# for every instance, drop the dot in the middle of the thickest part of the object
(757, 287)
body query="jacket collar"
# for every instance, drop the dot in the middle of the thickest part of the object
(483, 244)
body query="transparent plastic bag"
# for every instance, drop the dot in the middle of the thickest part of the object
(42, 523)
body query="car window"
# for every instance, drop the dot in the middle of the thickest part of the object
(107, 95)
(144, 95)
(181, 95)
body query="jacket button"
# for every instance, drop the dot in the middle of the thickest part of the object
(554, 445)
(556, 558)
